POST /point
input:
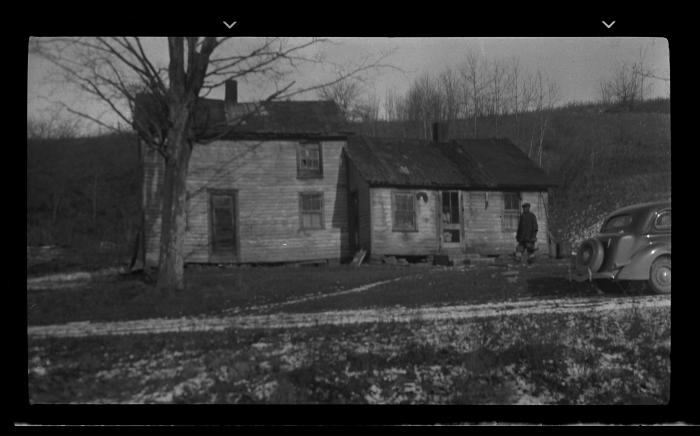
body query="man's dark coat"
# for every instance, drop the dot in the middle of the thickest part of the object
(527, 227)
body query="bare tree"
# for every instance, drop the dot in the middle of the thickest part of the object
(474, 83)
(115, 70)
(627, 86)
(52, 127)
(344, 93)
(546, 94)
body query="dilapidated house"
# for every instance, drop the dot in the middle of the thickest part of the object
(415, 197)
(272, 189)
(290, 183)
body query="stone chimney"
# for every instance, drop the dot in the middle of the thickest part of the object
(231, 92)
(441, 132)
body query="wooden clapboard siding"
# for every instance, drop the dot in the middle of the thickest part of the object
(387, 241)
(264, 176)
(483, 227)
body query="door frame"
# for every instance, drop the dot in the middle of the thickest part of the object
(223, 257)
(457, 226)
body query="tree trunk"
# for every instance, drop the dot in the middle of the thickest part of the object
(171, 259)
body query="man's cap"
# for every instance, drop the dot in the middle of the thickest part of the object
(526, 204)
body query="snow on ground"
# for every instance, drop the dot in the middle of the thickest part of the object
(394, 314)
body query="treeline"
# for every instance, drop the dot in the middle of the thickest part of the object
(82, 191)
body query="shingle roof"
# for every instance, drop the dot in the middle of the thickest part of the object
(273, 117)
(470, 164)
(401, 162)
(495, 162)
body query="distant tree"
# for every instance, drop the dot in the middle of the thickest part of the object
(545, 96)
(52, 127)
(345, 93)
(627, 85)
(474, 81)
(117, 70)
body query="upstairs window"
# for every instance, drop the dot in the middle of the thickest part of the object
(404, 208)
(511, 211)
(309, 160)
(311, 210)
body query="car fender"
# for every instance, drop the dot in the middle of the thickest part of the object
(640, 264)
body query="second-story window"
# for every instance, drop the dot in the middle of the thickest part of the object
(309, 160)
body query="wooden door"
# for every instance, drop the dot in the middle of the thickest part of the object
(354, 221)
(224, 235)
(450, 220)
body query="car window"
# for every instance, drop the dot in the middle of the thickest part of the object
(663, 221)
(617, 223)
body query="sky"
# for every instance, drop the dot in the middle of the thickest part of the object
(577, 65)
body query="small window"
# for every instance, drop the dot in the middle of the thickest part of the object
(511, 211)
(404, 212)
(663, 221)
(311, 210)
(309, 160)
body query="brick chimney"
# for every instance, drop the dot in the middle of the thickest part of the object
(441, 132)
(231, 91)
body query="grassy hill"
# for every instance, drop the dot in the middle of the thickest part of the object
(83, 193)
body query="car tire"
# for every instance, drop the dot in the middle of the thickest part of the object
(597, 255)
(660, 276)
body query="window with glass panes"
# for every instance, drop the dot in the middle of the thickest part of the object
(311, 210)
(404, 211)
(309, 160)
(511, 210)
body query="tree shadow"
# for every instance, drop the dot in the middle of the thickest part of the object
(559, 286)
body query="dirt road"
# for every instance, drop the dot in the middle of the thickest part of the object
(300, 320)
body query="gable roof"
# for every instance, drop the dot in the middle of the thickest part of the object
(401, 162)
(466, 163)
(495, 163)
(270, 118)
(226, 120)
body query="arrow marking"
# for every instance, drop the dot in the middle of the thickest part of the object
(606, 24)
(234, 23)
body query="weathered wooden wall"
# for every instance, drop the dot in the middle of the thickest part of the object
(386, 241)
(483, 223)
(483, 227)
(264, 176)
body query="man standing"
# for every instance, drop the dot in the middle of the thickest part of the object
(527, 233)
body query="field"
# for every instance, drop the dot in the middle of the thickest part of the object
(585, 357)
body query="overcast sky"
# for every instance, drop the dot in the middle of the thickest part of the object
(576, 64)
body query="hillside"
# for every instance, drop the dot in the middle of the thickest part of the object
(84, 192)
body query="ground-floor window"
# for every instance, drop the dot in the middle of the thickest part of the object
(311, 210)
(404, 216)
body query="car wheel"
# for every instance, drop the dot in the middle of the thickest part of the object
(660, 276)
(590, 255)
(610, 286)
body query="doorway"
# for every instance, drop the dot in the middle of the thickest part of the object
(450, 220)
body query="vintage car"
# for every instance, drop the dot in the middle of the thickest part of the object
(633, 247)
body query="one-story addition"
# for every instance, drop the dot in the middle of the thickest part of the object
(292, 184)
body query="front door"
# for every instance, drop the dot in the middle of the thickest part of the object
(450, 220)
(223, 225)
